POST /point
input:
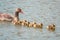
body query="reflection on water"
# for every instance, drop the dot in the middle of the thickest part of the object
(45, 11)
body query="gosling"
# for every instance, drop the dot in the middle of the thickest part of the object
(30, 25)
(33, 24)
(24, 22)
(51, 27)
(20, 22)
(27, 24)
(38, 25)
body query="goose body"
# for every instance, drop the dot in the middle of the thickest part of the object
(5, 17)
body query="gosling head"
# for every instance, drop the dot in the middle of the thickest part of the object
(41, 24)
(33, 22)
(24, 20)
(51, 25)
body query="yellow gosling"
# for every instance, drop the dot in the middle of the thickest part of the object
(30, 25)
(40, 25)
(51, 27)
(19, 22)
(35, 25)
(27, 23)
(24, 22)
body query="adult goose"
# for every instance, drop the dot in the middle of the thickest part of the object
(10, 18)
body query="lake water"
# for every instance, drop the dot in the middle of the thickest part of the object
(45, 11)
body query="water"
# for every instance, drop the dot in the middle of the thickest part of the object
(45, 11)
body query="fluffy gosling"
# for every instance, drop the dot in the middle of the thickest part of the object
(40, 25)
(51, 27)
(32, 24)
(24, 22)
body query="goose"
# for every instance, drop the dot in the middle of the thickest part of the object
(10, 18)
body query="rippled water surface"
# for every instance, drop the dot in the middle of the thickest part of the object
(45, 11)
